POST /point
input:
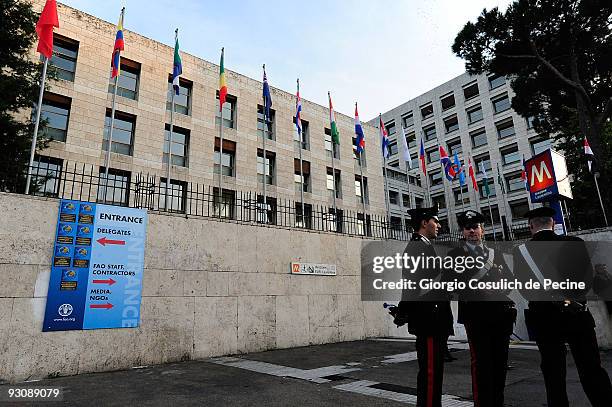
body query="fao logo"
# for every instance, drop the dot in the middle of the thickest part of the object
(65, 310)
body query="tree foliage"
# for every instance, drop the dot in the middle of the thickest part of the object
(19, 88)
(558, 56)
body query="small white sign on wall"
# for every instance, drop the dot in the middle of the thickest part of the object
(313, 269)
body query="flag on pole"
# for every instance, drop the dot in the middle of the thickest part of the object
(449, 172)
(335, 134)
(472, 175)
(524, 174)
(222, 84)
(119, 46)
(422, 158)
(384, 138)
(298, 110)
(44, 28)
(266, 94)
(589, 153)
(458, 168)
(485, 184)
(360, 139)
(500, 179)
(177, 68)
(405, 150)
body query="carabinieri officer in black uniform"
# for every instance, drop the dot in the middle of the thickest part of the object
(565, 318)
(428, 315)
(488, 316)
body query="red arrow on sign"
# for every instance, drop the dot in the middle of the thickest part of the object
(110, 281)
(105, 306)
(104, 241)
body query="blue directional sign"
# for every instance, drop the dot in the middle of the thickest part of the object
(98, 262)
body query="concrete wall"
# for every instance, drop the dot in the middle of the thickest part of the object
(210, 288)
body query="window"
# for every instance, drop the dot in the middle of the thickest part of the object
(505, 128)
(483, 160)
(515, 182)
(430, 132)
(334, 221)
(518, 209)
(123, 133)
(427, 111)
(407, 119)
(64, 57)
(435, 178)
(390, 126)
(224, 205)
(451, 124)
(266, 213)
(46, 173)
(510, 155)
(496, 81)
(393, 148)
(447, 101)
(415, 180)
(269, 126)
(117, 190)
(454, 146)
(412, 147)
(418, 202)
(394, 164)
(396, 223)
(474, 114)
(270, 166)
(356, 156)
(471, 91)
(177, 195)
(182, 101)
(438, 201)
(394, 197)
(364, 226)
(229, 157)
(461, 194)
(229, 112)
(433, 155)
(359, 186)
(479, 138)
(128, 80)
(501, 103)
(301, 177)
(56, 111)
(303, 221)
(406, 200)
(329, 146)
(180, 146)
(481, 188)
(530, 122)
(305, 135)
(487, 214)
(330, 184)
(539, 145)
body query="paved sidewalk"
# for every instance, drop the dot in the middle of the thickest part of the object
(376, 372)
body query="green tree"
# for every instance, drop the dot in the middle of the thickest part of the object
(19, 88)
(558, 56)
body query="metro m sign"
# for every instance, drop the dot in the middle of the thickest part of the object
(542, 172)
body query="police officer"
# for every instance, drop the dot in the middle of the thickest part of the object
(488, 316)
(565, 318)
(428, 314)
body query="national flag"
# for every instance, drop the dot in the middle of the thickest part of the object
(119, 46)
(458, 168)
(360, 139)
(335, 134)
(422, 158)
(384, 138)
(298, 110)
(446, 163)
(222, 84)
(177, 68)
(485, 180)
(472, 175)
(267, 97)
(405, 150)
(44, 28)
(500, 179)
(589, 153)
(524, 174)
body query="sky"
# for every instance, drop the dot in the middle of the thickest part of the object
(379, 53)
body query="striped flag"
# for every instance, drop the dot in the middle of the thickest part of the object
(405, 150)
(384, 137)
(458, 169)
(449, 172)
(44, 28)
(524, 174)
(335, 134)
(119, 46)
(360, 139)
(222, 84)
(267, 97)
(472, 175)
(589, 153)
(298, 110)
(422, 158)
(177, 68)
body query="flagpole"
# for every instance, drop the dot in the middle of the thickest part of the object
(603, 210)
(491, 215)
(361, 186)
(428, 201)
(384, 174)
(35, 136)
(170, 136)
(265, 125)
(333, 165)
(221, 148)
(504, 201)
(299, 131)
(110, 135)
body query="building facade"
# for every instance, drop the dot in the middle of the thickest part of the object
(78, 104)
(472, 116)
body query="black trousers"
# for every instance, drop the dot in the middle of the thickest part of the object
(489, 356)
(430, 355)
(594, 378)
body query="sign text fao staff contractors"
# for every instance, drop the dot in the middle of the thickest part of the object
(98, 262)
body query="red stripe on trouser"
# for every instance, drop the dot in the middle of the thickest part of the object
(474, 374)
(430, 370)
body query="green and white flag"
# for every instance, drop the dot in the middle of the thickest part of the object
(335, 134)
(485, 184)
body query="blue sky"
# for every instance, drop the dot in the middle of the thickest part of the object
(380, 53)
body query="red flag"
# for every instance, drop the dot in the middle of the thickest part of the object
(44, 28)
(472, 175)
